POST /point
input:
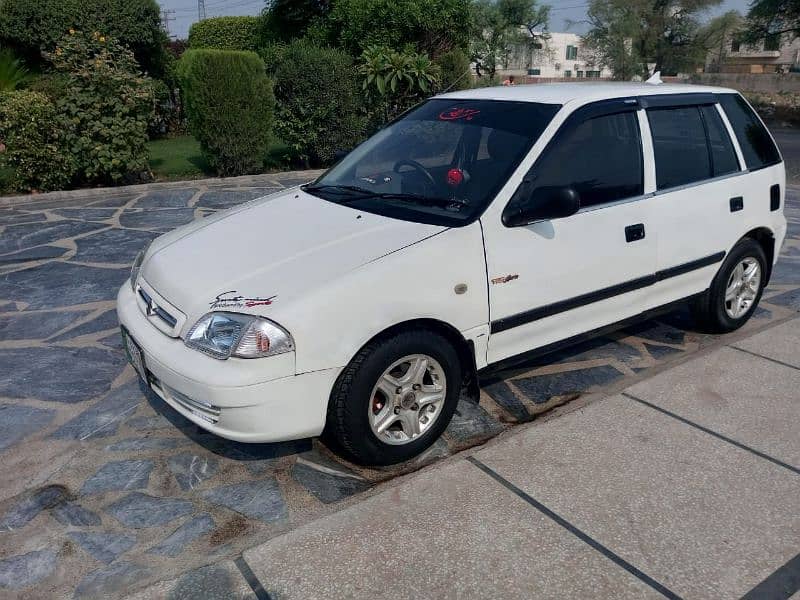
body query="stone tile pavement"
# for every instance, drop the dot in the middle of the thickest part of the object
(107, 490)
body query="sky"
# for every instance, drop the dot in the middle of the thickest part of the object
(562, 12)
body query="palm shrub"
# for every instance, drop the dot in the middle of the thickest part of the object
(104, 107)
(13, 73)
(230, 105)
(319, 106)
(32, 142)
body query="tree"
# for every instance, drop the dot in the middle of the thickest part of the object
(285, 20)
(715, 37)
(498, 28)
(772, 17)
(631, 35)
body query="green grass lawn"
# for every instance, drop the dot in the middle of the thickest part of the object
(180, 158)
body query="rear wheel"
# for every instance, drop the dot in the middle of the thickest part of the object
(395, 398)
(735, 291)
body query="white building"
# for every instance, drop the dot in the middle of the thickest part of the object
(553, 55)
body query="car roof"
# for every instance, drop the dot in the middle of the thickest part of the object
(562, 93)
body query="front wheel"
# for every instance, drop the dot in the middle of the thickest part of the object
(735, 291)
(395, 398)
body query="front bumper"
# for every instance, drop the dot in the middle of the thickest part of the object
(256, 400)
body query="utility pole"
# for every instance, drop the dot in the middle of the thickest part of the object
(166, 17)
(201, 10)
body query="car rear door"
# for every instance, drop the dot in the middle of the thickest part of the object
(551, 280)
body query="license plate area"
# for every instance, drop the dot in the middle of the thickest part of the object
(135, 355)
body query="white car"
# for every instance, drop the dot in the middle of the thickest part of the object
(480, 226)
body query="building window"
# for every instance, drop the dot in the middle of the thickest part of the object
(579, 73)
(572, 52)
(534, 71)
(772, 42)
(735, 45)
(567, 73)
(595, 74)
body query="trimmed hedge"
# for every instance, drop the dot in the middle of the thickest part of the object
(31, 26)
(32, 142)
(226, 33)
(318, 99)
(230, 105)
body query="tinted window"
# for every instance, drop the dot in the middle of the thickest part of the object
(757, 146)
(723, 156)
(679, 144)
(600, 158)
(441, 163)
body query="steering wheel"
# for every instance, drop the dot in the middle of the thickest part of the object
(418, 168)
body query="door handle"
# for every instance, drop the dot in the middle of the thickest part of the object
(634, 233)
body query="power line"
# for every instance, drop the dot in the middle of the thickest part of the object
(167, 15)
(201, 10)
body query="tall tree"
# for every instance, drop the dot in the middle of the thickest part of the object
(499, 26)
(289, 19)
(632, 35)
(772, 17)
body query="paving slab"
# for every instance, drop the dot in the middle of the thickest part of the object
(746, 398)
(449, 533)
(782, 344)
(698, 515)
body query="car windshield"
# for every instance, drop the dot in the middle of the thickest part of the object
(441, 163)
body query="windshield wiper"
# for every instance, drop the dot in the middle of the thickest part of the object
(429, 200)
(358, 193)
(337, 188)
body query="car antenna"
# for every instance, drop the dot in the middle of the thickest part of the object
(655, 79)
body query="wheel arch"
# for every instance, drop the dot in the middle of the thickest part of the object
(766, 239)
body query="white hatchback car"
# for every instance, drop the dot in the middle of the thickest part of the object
(480, 226)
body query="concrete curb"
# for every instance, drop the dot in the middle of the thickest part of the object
(234, 182)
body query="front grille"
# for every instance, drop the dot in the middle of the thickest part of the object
(154, 309)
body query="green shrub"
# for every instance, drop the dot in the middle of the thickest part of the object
(13, 73)
(318, 100)
(105, 108)
(454, 71)
(229, 103)
(226, 33)
(32, 26)
(431, 26)
(32, 143)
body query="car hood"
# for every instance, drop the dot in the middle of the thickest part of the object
(257, 256)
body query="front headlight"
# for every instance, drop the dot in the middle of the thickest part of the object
(223, 335)
(137, 265)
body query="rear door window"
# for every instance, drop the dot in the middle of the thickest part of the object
(757, 146)
(679, 144)
(723, 156)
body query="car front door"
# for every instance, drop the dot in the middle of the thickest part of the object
(553, 279)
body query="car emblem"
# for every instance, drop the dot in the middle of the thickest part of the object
(151, 308)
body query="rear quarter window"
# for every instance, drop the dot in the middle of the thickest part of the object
(757, 146)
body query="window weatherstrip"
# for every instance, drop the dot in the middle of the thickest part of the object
(732, 136)
(548, 310)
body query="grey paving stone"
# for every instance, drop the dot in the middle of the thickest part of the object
(184, 535)
(19, 237)
(790, 299)
(72, 374)
(59, 284)
(139, 510)
(15, 217)
(161, 220)
(114, 579)
(107, 320)
(19, 572)
(113, 246)
(543, 387)
(213, 582)
(104, 546)
(327, 487)
(119, 475)
(470, 421)
(260, 499)
(37, 326)
(35, 253)
(69, 513)
(661, 352)
(17, 422)
(659, 331)
(190, 470)
(86, 214)
(146, 443)
(173, 198)
(505, 397)
(104, 417)
(116, 200)
(31, 505)
(787, 271)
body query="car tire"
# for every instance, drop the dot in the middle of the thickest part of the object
(362, 400)
(730, 301)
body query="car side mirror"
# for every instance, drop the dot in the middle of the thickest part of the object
(543, 204)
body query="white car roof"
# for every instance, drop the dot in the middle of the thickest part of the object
(562, 93)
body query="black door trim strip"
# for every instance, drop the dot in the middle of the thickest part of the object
(548, 310)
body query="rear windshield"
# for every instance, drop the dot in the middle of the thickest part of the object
(441, 163)
(757, 146)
